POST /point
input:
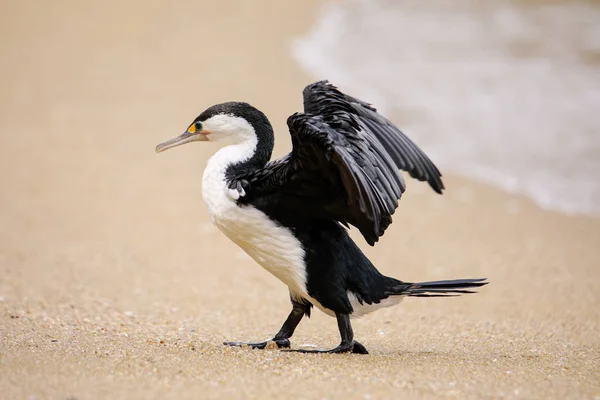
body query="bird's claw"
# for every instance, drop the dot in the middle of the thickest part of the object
(280, 343)
(354, 347)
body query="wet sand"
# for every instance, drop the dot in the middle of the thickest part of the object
(113, 283)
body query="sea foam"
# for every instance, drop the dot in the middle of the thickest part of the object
(504, 93)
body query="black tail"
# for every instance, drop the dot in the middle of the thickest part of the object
(454, 287)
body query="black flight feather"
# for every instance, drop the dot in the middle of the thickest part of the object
(344, 165)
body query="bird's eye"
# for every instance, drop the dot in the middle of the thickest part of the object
(198, 125)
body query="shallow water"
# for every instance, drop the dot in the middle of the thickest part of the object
(502, 92)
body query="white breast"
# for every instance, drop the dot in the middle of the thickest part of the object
(272, 246)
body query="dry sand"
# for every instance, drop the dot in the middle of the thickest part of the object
(113, 284)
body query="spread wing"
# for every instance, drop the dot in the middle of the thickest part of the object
(344, 165)
(407, 156)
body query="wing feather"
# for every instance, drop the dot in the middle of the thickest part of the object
(407, 155)
(345, 160)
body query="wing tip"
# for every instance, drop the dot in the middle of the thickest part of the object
(437, 186)
(311, 86)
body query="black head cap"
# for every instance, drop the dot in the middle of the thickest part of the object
(255, 117)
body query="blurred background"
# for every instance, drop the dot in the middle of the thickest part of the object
(111, 273)
(502, 91)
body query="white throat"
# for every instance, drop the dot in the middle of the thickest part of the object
(213, 180)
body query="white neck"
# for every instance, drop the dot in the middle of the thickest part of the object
(224, 126)
(232, 154)
(214, 183)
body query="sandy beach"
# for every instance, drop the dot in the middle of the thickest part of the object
(114, 284)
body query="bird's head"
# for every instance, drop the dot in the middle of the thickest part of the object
(234, 120)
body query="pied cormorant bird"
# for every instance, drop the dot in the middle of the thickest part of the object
(291, 214)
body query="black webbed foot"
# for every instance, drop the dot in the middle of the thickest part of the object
(281, 343)
(351, 347)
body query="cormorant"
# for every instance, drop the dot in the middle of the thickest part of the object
(291, 214)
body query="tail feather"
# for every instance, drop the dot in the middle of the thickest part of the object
(446, 288)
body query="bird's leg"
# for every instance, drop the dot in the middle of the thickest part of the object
(348, 344)
(282, 338)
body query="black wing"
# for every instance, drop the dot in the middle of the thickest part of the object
(408, 156)
(343, 165)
